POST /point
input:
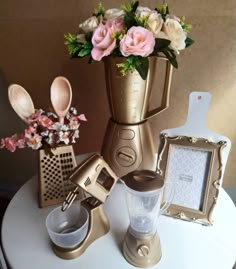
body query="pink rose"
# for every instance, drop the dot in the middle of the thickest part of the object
(103, 42)
(116, 25)
(10, 143)
(137, 41)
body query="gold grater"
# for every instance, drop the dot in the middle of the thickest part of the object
(54, 169)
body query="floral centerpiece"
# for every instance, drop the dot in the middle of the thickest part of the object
(46, 132)
(133, 32)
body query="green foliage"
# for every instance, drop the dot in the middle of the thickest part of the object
(130, 7)
(160, 44)
(142, 66)
(133, 63)
(170, 55)
(188, 42)
(130, 18)
(163, 10)
(72, 44)
(75, 48)
(127, 66)
(141, 21)
(85, 49)
(99, 11)
(186, 26)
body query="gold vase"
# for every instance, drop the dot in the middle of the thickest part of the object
(54, 169)
(129, 95)
(128, 142)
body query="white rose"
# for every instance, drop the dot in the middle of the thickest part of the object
(175, 33)
(81, 38)
(154, 23)
(163, 35)
(113, 13)
(89, 25)
(142, 11)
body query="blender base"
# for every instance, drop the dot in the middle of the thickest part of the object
(142, 252)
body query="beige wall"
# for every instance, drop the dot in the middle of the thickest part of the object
(32, 54)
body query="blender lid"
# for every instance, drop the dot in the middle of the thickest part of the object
(143, 180)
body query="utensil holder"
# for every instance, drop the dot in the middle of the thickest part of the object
(54, 169)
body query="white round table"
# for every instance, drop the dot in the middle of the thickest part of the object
(185, 245)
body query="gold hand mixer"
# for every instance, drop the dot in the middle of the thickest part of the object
(96, 178)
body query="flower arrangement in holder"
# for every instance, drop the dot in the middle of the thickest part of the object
(46, 132)
(133, 32)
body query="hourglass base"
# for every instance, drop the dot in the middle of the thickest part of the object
(142, 252)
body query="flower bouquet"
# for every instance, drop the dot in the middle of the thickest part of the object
(133, 32)
(53, 141)
(46, 132)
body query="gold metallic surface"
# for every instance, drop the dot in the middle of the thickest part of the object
(129, 147)
(143, 180)
(214, 176)
(129, 95)
(95, 177)
(142, 252)
(53, 171)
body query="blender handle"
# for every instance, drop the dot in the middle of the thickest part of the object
(170, 197)
(166, 91)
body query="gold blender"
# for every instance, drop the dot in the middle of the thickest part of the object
(128, 142)
(70, 238)
(144, 197)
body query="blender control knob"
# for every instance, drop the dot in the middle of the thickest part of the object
(143, 250)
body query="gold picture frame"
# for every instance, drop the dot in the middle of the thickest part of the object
(194, 166)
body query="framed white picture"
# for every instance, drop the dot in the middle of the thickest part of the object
(194, 167)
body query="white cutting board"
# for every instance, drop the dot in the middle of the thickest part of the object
(196, 124)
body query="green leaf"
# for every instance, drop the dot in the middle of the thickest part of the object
(90, 60)
(142, 66)
(160, 44)
(135, 6)
(88, 36)
(72, 44)
(84, 52)
(99, 11)
(130, 20)
(130, 7)
(170, 55)
(188, 42)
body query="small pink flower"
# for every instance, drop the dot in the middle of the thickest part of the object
(45, 121)
(137, 41)
(103, 42)
(2, 143)
(64, 137)
(29, 132)
(35, 141)
(34, 116)
(20, 143)
(10, 143)
(74, 123)
(82, 117)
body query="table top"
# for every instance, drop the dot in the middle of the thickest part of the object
(184, 244)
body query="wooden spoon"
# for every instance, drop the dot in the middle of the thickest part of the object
(20, 101)
(61, 96)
